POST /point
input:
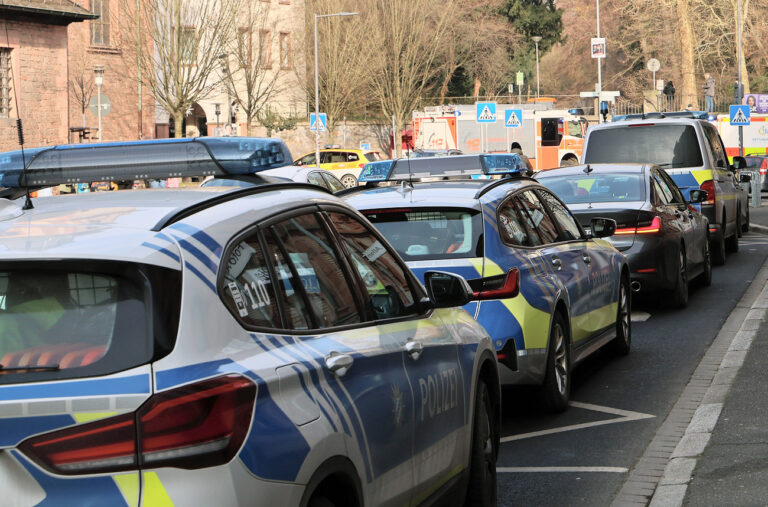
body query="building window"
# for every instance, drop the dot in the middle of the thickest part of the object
(5, 82)
(100, 26)
(285, 50)
(187, 45)
(265, 49)
(284, 2)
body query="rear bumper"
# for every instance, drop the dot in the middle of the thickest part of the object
(649, 264)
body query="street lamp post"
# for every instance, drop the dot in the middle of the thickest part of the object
(225, 73)
(739, 88)
(536, 39)
(317, 82)
(98, 78)
(218, 112)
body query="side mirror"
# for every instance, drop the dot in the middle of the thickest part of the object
(738, 163)
(447, 290)
(745, 178)
(720, 163)
(602, 227)
(697, 196)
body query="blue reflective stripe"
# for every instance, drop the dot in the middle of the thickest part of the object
(162, 250)
(319, 405)
(201, 276)
(202, 257)
(135, 384)
(81, 491)
(15, 429)
(200, 236)
(165, 237)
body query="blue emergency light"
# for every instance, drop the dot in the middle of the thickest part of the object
(458, 166)
(135, 160)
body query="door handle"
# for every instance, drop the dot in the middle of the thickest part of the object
(337, 363)
(557, 263)
(586, 258)
(414, 349)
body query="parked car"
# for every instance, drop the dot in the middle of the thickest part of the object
(346, 163)
(663, 237)
(759, 163)
(690, 150)
(548, 293)
(311, 175)
(417, 153)
(219, 346)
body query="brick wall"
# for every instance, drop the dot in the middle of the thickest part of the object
(39, 66)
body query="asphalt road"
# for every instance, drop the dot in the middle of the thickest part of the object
(618, 404)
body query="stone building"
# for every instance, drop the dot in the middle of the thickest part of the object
(34, 70)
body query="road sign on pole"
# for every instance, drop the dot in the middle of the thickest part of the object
(513, 118)
(740, 114)
(485, 112)
(319, 123)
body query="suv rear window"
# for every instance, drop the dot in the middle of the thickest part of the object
(69, 321)
(603, 187)
(427, 233)
(669, 146)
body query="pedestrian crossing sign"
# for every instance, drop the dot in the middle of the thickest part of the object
(486, 112)
(319, 123)
(513, 118)
(740, 115)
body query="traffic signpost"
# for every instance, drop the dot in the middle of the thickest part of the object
(485, 112)
(740, 116)
(318, 123)
(513, 120)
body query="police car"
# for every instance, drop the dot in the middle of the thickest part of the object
(209, 346)
(547, 293)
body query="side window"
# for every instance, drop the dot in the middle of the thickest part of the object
(539, 218)
(308, 159)
(677, 197)
(511, 226)
(315, 179)
(325, 157)
(717, 145)
(569, 228)
(551, 131)
(385, 280)
(332, 183)
(337, 157)
(294, 303)
(312, 257)
(247, 288)
(664, 192)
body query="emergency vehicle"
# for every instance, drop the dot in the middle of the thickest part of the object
(548, 137)
(755, 135)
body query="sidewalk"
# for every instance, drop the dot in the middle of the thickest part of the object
(722, 456)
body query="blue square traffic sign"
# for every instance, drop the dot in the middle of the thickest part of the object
(318, 124)
(740, 115)
(513, 118)
(486, 112)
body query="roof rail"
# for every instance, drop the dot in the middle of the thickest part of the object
(697, 115)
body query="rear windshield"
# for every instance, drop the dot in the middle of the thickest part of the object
(754, 162)
(605, 187)
(669, 146)
(425, 233)
(372, 156)
(72, 322)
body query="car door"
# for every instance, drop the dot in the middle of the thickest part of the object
(676, 225)
(362, 363)
(726, 190)
(691, 231)
(593, 308)
(431, 356)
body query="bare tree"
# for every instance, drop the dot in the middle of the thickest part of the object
(81, 82)
(405, 42)
(253, 75)
(180, 41)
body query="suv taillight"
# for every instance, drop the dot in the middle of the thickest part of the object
(709, 187)
(195, 426)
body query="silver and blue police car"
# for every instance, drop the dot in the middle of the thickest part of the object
(547, 293)
(218, 346)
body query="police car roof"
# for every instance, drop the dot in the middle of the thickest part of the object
(112, 225)
(581, 170)
(452, 193)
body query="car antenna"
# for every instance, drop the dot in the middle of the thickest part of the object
(20, 131)
(588, 169)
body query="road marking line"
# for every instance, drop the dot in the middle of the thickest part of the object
(640, 316)
(514, 470)
(625, 416)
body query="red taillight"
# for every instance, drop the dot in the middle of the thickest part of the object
(194, 426)
(654, 226)
(509, 289)
(648, 270)
(709, 187)
(361, 165)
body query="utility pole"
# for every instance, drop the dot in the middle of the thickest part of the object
(739, 85)
(138, 64)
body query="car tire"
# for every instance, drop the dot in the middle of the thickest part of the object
(556, 389)
(745, 225)
(739, 226)
(320, 501)
(706, 275)
(482, 488)
(718, 252)
(680, 292)
(348, 181)
(623, 341)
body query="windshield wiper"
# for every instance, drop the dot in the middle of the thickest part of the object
(29, 369)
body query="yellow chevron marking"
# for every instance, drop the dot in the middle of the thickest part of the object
(534, 322)
(491, 268)
(702, 175)
(84, 417)
(128, 484)
(585, 325)
(154, 491)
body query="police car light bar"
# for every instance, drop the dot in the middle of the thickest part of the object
(135, 160)
(458, 166)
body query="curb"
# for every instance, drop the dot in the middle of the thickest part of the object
(758, 228)
(661, 476)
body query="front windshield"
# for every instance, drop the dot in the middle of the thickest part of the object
(428, 233)
(604, 187)
(669, 146)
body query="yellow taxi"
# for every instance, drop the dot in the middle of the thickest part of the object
(344, 163)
